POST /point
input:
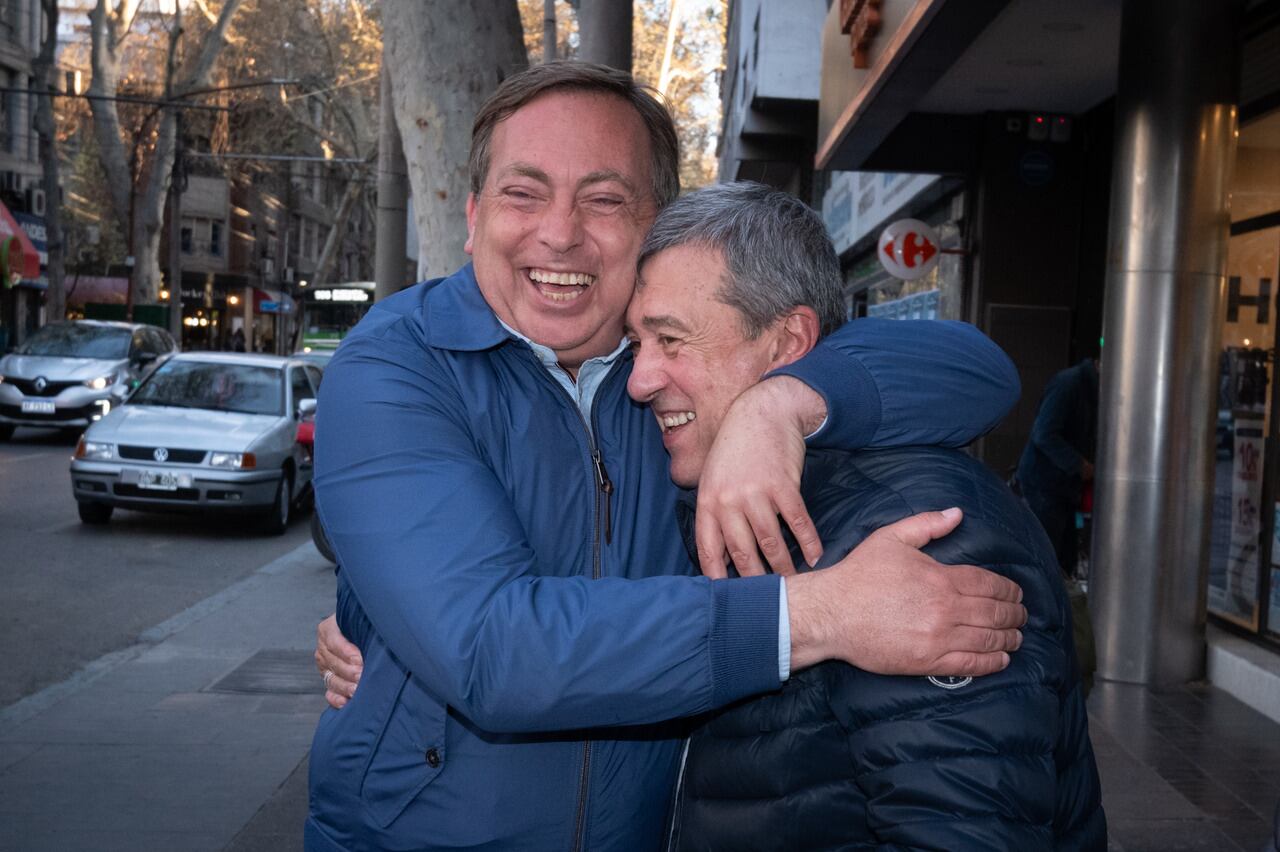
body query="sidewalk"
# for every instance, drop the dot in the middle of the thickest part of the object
(196, 739)
(177, 742)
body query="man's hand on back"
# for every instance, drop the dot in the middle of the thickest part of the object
(335, 654)
(752, 475)
(890, 609)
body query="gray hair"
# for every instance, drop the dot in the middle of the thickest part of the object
(775, 249)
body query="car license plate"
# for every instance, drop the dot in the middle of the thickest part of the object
(38, 406)
(163, 480)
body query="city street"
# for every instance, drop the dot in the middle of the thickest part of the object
(74, 592)
(159, 693)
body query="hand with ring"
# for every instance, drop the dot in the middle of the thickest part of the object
(338, 661)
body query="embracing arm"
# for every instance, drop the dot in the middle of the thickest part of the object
(895, 383)
(877, 383)
(437, 558)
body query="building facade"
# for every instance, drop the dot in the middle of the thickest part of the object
(1101, 172)
(21, 31)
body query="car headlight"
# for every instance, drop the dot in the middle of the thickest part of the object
(94, 450)
(102, 382)
(235, 461)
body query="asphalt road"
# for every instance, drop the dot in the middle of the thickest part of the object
(73, 592)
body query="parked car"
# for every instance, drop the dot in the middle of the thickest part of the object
(307, 438)
(206, 431)
(70, 374)
(316, 355)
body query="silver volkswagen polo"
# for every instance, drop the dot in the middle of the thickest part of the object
(206, 431)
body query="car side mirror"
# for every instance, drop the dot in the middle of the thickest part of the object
(306, 407)
(144, 358)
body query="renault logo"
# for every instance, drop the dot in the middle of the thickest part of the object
(41, 383)
(160, 454)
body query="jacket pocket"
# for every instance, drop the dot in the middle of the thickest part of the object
(408, 755)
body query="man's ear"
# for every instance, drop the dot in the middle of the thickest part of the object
(471, 221)
(797, 332)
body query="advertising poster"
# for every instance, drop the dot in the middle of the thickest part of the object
(1238, 597)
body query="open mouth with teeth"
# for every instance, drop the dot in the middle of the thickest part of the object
(561, 286)
(674, 420)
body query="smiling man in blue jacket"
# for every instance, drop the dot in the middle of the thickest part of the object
(511, 570)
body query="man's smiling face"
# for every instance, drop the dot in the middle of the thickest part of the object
(692, 358)
(557, 226)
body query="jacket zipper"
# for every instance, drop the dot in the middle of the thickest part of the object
(604, 486)
(672, 836)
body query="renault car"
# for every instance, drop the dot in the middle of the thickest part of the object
(70, 374)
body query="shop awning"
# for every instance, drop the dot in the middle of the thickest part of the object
(272, 302)
(17, 252)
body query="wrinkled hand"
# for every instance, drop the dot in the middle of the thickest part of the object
(335, 654)
(890, 609)
(752, 475)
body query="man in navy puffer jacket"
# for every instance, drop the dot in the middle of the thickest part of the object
(736, 281)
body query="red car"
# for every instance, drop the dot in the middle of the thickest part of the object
(307, 438)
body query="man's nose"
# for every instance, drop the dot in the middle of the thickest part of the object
(647, 377)
(560, 228)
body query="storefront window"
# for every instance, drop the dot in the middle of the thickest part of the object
(1244, 393)
(937, 295)
(1244, 561)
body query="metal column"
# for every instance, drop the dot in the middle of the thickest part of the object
(1167, 251)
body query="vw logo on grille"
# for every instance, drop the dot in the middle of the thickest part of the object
(160, 454)
(41, 383)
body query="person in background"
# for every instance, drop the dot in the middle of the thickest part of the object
(1057, 462)
(1055, 469)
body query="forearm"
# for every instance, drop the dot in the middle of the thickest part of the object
(811, 619)
(554, 653)
(896, 383)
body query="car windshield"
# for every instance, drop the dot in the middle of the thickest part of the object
(213, 386)
(319, 357)
(78, 340)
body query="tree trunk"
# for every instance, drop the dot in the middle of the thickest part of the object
(44, 69)
(605, 29)
(391, 214)
(333, 241)
(142, 207)
(443, 65)
(148, 215)
(548, 30)
(108, 26)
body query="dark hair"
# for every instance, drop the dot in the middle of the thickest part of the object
(567, 75)
(775, 248)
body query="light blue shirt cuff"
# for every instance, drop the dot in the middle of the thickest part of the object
(784, 634)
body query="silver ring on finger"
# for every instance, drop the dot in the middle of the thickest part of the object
(328, 679)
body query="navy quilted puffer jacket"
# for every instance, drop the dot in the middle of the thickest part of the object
(840, 759)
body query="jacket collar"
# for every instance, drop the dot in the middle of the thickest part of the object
(458, 316)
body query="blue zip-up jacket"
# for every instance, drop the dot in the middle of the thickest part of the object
(458, 484)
